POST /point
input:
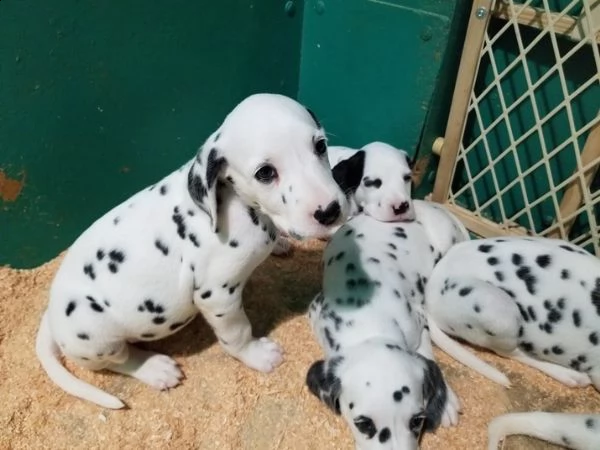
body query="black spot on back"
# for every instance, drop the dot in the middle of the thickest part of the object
(162, 247)
(70, 307)
(384, 435)
(543, 261)
(463, 292)
(485, 248)
(517, 259)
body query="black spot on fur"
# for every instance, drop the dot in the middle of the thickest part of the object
(517, 259)
(330, 341)
(554, 316)
(561, 303)
(348, 232)
(162, 247)
(589, 423)
(350, 267)
(374, 260)
(151, 307)
(485, 248)
(398, 396)
(233, 243)
(392, 256)
(375, 183)
(339, 256)
(526, 347)
(158, 320)
(88, 269)
(116, 221)
(350, 284)
(499, 276)
(523, 312)
(565, 274)
(100, 254)
(213, 167)
(400, 232)
(463, 292)
(179, 221)
(476, 308)
(70, 307)
(384, 435)
(531, 313)
(392, 246)
(543, 261)
(521, 331)
(595, 296)
(113, 267)
(148, 335)
(509, 292)
(163, 189)
(83, 336)
(116, 256)
(206, 294)
(593, 337)
(524, 273)
(194, 240)
(233, 288)
(557, 350)
(253, 215)
(492, 260)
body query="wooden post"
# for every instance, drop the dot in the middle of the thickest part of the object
(573, 197)
(467, 72)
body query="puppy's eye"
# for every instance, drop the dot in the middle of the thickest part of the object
(321, 147)
(416, 424)
(266, 174)
(407, 177)
(366, 426)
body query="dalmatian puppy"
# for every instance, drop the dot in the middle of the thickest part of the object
(188, 244)
(535, 300)
(379, 371)
(376, 179)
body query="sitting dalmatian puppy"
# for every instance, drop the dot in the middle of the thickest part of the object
(188, 244)
(536, 300)
(376, 179)
(379, 372)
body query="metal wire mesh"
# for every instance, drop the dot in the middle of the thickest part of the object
(530, 152)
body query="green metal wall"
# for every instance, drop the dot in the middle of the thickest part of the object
(97, 101)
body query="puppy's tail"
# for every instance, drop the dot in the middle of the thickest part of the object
(570, 430)
(48, 353)
(461, 354)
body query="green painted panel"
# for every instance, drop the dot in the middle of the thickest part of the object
(99, 99)
(369, 68)
(579, 68)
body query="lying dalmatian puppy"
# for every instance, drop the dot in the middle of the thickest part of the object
(379, 372)
(188, 244)
(535, 300)
(376, 180)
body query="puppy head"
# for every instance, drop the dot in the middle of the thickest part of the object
(387, 396)
(379, 176)
(274, 153)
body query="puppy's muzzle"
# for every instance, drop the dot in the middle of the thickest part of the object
(329, 215)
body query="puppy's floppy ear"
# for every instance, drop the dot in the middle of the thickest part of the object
(203, 181)
(348, 173)
(410, 161)
(435, 394)
(323, 383)
(314, 117)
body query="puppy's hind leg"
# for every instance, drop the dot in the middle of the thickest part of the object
(565, 375)
(154, 369)
(477, 312)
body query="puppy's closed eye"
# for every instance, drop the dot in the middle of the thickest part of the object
(366, 426)
(416, 424)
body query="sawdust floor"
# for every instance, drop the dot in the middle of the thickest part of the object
(222, 404)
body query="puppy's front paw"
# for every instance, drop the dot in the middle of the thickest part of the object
(159, 371)
(262, 354)
(569, 377)
(283, 247)
(452, 409)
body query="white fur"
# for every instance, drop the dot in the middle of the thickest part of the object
(534, 300)
(369, 320)
(186, 245)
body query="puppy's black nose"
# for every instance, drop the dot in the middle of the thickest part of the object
(328, 215)
(401, 209)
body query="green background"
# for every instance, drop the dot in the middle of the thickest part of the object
(100, 99)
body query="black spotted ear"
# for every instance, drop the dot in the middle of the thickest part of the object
(435, 395)
(203, 181)
(314, 117)
(324, 384)
(348, 173)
